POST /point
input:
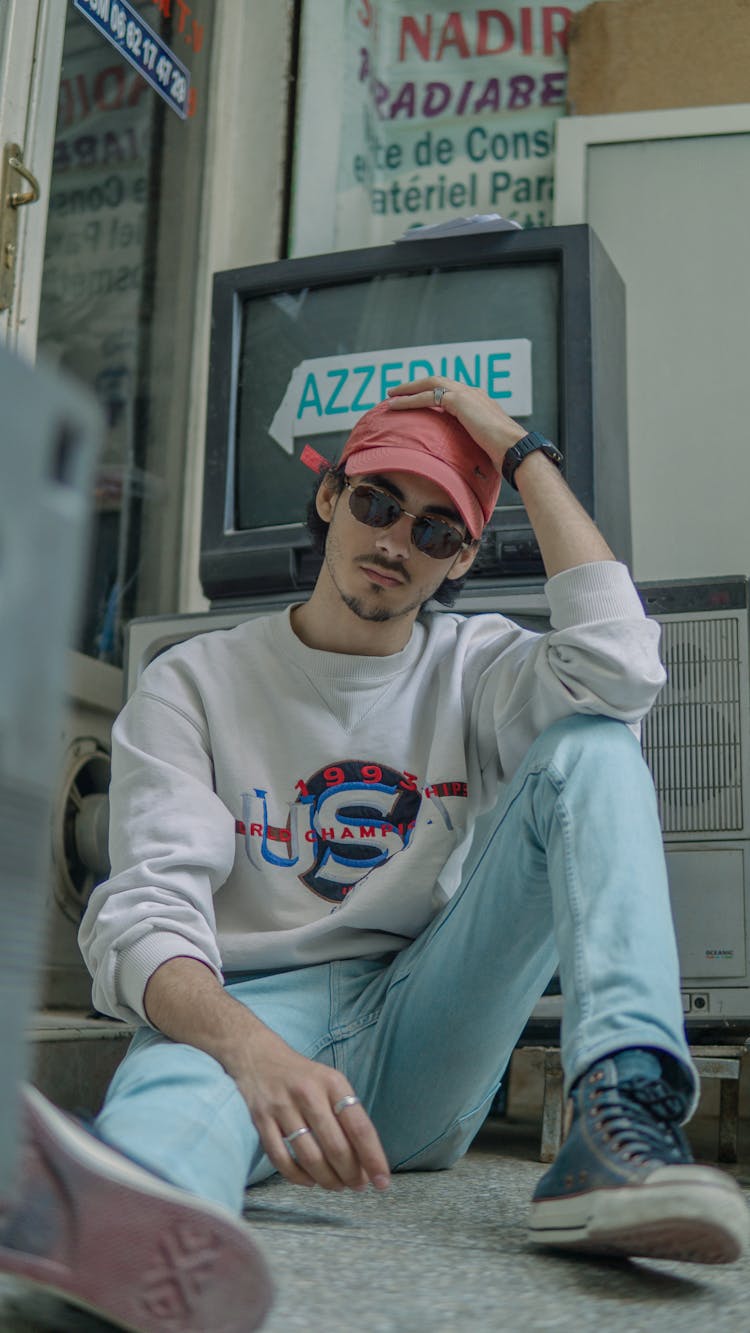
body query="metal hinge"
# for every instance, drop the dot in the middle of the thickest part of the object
(12, 197)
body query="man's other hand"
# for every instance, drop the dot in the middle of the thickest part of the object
(284, 1091)
(287, 1092)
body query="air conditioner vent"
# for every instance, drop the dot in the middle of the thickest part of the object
(692, 738)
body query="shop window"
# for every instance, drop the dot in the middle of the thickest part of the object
(118, 295)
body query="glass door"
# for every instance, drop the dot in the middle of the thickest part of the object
(107, 264)
(31, 35)
(117, 293)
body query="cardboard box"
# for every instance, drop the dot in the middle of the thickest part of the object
(640, 55)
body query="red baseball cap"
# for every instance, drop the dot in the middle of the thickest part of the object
(428, 442)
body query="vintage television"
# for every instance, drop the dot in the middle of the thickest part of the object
(301, 347)
(696, 741)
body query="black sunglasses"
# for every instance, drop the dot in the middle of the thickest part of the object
(378, 509)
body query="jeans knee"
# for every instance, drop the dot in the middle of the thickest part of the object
(588, 737)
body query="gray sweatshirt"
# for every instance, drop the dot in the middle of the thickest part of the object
(275, 806)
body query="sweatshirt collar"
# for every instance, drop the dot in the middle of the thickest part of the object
(344, 666)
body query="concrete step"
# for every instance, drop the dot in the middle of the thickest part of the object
(74, 1055)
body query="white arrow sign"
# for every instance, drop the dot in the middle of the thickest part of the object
(330, 393)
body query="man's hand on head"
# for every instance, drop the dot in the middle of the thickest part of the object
(483, 418)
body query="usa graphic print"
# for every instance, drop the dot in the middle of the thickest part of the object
(348, 819)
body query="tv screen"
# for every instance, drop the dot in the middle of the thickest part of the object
(301, 348)
(375, 324)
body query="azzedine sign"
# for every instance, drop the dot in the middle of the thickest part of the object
(330, 393)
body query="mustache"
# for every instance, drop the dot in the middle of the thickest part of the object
(378, 562)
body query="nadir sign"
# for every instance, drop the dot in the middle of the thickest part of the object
(330, 393)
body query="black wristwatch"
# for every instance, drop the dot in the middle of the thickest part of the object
(528, 445)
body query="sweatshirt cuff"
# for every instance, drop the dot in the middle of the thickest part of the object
(136, 965)
(589, 594)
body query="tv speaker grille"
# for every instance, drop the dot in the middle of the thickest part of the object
(692, 739)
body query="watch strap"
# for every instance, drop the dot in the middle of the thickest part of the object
(528, 445)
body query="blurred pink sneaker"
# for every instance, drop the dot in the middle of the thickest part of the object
(106, 1236)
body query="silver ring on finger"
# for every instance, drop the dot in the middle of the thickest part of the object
(343, 1102)
(289, 1139)
(438, 394)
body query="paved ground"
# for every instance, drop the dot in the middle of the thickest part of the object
(446, 1251)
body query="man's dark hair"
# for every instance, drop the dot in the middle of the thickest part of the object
(449, 589)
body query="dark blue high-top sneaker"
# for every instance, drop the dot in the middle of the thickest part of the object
(625, 1183)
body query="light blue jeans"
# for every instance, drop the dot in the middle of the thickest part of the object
(571, 867)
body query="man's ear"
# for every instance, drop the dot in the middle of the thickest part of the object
(464, 561)
(326, 496)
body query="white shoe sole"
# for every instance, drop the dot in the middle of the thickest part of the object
(110, 1238)
(690, 1213)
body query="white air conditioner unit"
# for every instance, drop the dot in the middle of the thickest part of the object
(696, 741)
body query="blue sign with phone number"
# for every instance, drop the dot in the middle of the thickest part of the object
(136, 40)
